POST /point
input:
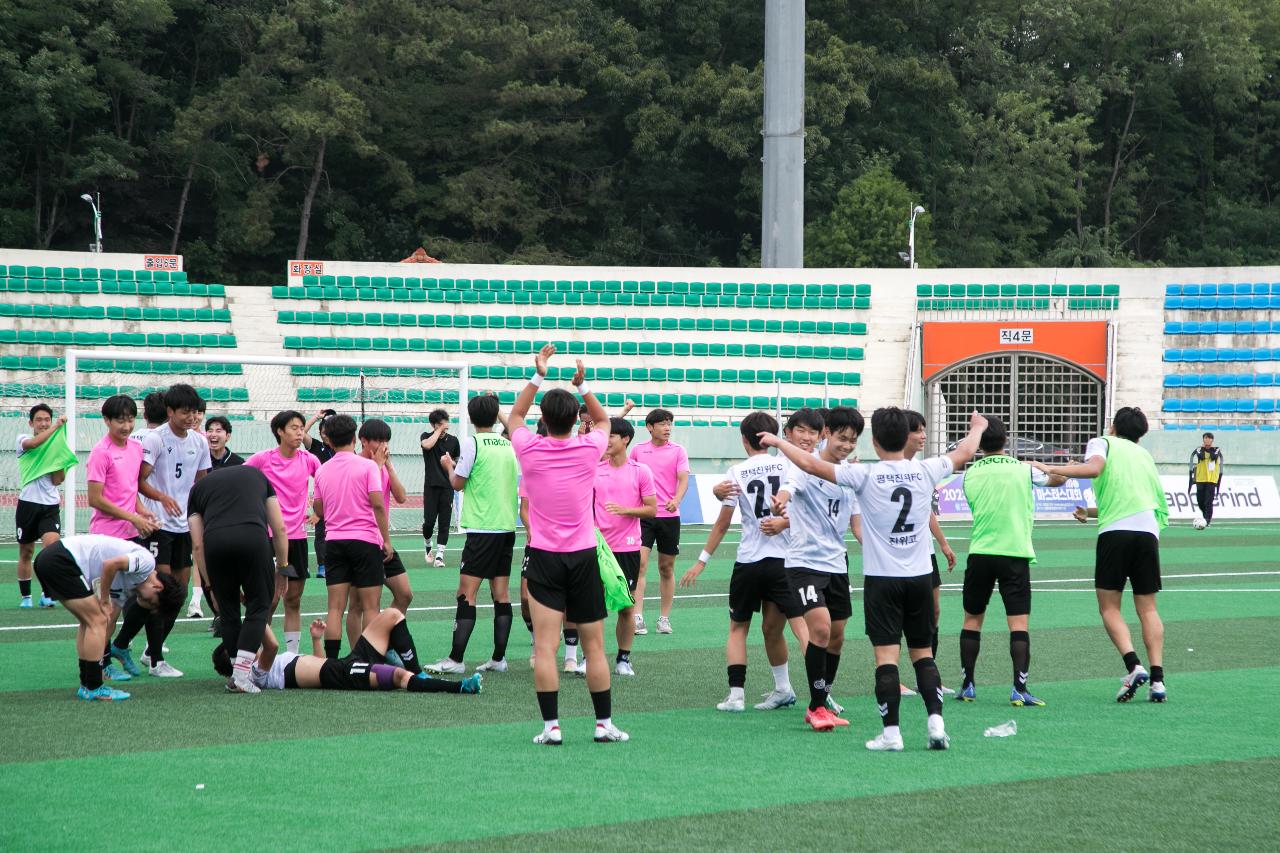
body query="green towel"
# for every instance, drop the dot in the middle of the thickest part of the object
(54, 455)
(617, 593)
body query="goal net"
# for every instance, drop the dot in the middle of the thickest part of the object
(248, 390)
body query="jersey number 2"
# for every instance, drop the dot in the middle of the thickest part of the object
(757, 489)
(903, 494)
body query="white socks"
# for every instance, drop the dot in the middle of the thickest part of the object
(781, 678)
(736, 693)
(548, 725)
(197, 593)
(892, 732)
(291, 639)
(935, 724)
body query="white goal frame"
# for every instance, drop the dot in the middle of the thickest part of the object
(71, 359)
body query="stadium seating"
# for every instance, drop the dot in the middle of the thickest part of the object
(1019, 297)
(101, 392)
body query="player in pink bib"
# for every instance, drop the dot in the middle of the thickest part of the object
(670, 466)
(112, 475)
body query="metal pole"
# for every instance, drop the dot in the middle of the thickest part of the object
(362, 396)
(97, 222)
(911, 241)
(69, 478)
(782, 219)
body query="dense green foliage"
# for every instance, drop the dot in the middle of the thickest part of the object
(245, 132)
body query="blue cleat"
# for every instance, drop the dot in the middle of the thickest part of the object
(25, 603)
(967, 694)
(102, 694)
(115, 673)
(320, 571)
(394, 659)
(1020, 699)
(472, 683)
(47, 602)
(125, 656)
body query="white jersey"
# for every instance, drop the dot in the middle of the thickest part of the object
(174, 463)
(273, 678)
(897, 502)
(819, 512)
(140, 435)
(41, 490)
(759, 479)
(91, 550)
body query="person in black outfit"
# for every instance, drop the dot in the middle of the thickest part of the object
(437, 493)
(1205, 475)
(218, 431)
(229, 513)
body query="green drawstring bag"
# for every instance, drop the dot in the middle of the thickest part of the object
(617, 593)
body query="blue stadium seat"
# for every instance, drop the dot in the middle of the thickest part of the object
(1266, 407)
(1169, 328)
(1173, 290)
(1172, 405)
(1191, 290)
(1172, 303)
(1173, 355)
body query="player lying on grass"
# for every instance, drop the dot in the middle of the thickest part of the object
(93, 576)
(366, 668)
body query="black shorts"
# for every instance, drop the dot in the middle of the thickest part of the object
(629, 562)
(936, 580)
(754, 583)
(34, 520)
(664, 532)
(365, 651)
(349, 673)
(894, 607)
(298, 567)
(487, 555)
(393, 567)
(1128, 555)
(568, 582)
(807, 590)
(170, 549)
(985, 570)
(60, 574)
(354, 561)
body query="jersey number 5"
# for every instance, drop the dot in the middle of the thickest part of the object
(902, 494)
(177, 471)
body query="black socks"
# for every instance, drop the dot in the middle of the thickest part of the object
(502, 618)
(549, 704)
(888, 693)
(1131, 661)
(1020, 652)
(464, 622)
(929, 683)
(970, 644)
(401, 642)
(737, 675)
(815, 668)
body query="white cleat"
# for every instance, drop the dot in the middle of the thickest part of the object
(641, 630)
(493, 666)
(623, 667)
(884, 743)
(242, 684)
(776, 699)
(446, 666)
(194, 612)
(938, 734)
(548, 737)
(1131, 683)
(947, 691)
(164, 669)
(570, 666)
(581, 669)
(438, 562)
(664, 625)
(609, 733)
(732, 704)
(905, 690)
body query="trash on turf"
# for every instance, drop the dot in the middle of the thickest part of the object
(200, 787)
(1008, 729)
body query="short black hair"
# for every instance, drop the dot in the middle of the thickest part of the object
(202, 406)
(153, 410)
(341, 430)
(805, 417)
(658, 416)
(483, 410)
(559, 410)
(282, 419)
(622, 427)
(221, 661)
(1130, 423)
(995, 436)
(889, 428)
(583, 410)
(1206, 435)
(182, 396)
(824, 413)
(436, 416)
(220, 421)
(38, 407)
(375, 429)
(915, 420)
(540, 427)
(845, 417)
(119, 406)
(172, 595)
(754, 424)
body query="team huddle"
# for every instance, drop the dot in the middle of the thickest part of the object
(172, 498)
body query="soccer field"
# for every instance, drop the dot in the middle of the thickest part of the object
(183, 765)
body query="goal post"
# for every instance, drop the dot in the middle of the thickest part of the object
(250, 389)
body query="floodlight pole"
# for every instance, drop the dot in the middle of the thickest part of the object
(911, 237)
(782, 211)
(96, 204)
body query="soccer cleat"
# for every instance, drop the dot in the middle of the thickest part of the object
(821, 720)
(939, 740)
(164, 669)
(47, 602)
(194, 611)
(25, 603)
(1156, 693)
(834, 707)
(101, 694)
(947, 691)
(609, 733)
(548, 737)
(641, 630)
(775, 699)
(320, 571)
(472, 684)
(967, 694)
(125, 656)
(438, 562)
(883, 743)
(493, 666)
(581, 669)
(242, 683)
(446, 666)
(1020, 699)
(1131, 683)
(146, 656)
(570, 665)
(664, 625)
(731, 704)
(624, 667)
(905, 690)
(111, 672)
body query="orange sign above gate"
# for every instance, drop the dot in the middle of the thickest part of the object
(1082, 343)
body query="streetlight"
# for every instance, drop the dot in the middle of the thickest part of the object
(97, 220)
(911, 239)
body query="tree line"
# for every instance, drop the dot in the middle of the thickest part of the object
(242, 133)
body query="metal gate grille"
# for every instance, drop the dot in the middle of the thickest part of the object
(1052, 407)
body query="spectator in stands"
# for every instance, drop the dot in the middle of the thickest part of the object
(437, 489)
(419, 256)
(218, 430)
(1205, 475)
